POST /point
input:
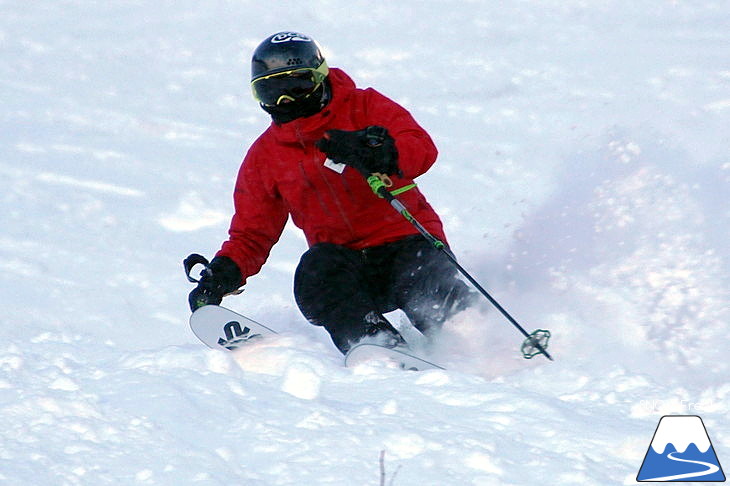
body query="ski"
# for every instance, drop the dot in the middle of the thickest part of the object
(221, 328)
(364, 352)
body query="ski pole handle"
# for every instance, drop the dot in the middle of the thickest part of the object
(190, 262)
(379, 183)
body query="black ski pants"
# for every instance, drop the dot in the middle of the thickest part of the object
(348, 291)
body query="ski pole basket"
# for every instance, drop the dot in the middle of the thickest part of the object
(536, 344)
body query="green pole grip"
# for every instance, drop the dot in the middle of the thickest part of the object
(377, 185)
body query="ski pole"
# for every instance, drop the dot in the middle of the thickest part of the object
(535, 343)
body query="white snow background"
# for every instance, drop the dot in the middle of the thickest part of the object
(583, 177)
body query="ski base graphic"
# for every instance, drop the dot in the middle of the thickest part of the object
(221, 328)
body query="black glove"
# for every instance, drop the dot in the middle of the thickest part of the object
(219, 278)
(370, 151)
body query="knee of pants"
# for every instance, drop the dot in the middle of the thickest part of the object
(321, 263)
(433, 293)
(327, 277)
(323, 255)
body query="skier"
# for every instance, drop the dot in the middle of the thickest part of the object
(364, 259)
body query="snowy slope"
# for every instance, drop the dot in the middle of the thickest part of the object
(583, 178)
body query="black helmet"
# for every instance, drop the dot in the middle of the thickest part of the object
(283, 52)
(288, 74)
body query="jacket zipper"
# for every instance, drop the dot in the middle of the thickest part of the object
(320, 170)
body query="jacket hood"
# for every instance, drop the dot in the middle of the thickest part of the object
(310, 129)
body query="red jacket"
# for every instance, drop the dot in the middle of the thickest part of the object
(284, 174)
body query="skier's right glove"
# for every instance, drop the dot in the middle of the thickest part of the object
(219, 278)
(371, 150)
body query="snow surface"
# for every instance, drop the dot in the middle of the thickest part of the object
(583, 178)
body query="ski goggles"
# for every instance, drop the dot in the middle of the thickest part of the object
(289, 85)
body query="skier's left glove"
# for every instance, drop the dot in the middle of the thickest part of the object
(219, 278)
(370, 150)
